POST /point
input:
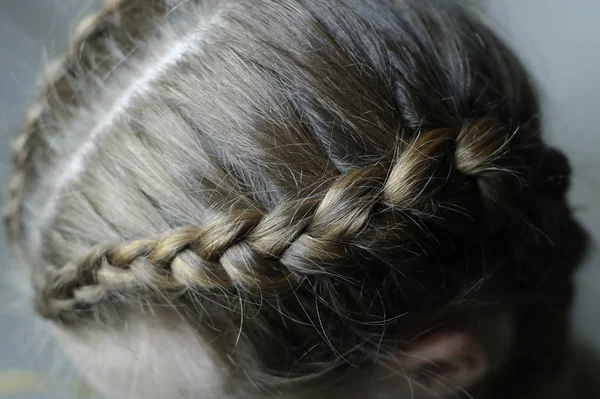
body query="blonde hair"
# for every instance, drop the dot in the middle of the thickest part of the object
(333, 176)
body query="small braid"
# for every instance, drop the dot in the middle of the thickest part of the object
(55, 76)
(86, 59)
(262, 251)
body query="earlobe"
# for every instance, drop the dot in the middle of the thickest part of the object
(446, 361)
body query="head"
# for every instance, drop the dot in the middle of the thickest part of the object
(256, 199)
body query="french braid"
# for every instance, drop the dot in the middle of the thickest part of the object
(261, 251)
(60, 90)
(366, 175)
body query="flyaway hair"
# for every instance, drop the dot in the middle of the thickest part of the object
(323, 180)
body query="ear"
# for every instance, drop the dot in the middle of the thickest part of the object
(445, 361)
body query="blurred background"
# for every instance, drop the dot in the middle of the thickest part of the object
(559, 40)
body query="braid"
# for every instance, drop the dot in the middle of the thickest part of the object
(263, 251)
(58, 86)
(328, 181)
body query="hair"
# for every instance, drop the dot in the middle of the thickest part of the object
(328, 179)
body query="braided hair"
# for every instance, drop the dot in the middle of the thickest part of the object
(335, 176)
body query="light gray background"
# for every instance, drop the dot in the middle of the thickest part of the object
(558, 39)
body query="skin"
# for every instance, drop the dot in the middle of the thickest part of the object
(148, 356)
(159, 354)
